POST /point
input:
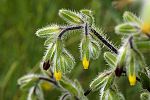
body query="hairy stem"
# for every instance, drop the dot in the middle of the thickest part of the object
(49, 80)
(106, 42)
(68, 29)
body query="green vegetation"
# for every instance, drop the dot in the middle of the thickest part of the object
(21, 51)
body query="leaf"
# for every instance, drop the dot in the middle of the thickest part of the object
(145, 96)
(69, 86)
(103, 80)
(66, 62)
(112, 95)
(143, 45)
(89, 15)
(70, 16)
(48, 31)
(35, 93)
(130, 17)
(49, 54)
(81, 95)
(49, 41)
(110, 59)
(27, 81)
(94, 49)
(121, 58)
(127, 28)
(145, 80)
(84, 48)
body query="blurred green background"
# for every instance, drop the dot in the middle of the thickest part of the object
(21, 51)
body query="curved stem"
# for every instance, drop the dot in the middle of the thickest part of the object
(49, 80)
(68, 29)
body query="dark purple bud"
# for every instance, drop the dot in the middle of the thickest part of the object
(46, 65)
(118, 71)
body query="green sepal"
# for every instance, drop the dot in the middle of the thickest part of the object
(84, 47)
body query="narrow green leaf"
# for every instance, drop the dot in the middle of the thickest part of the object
(70, 16)
(130, 17)
(110, 59)
(48, 31)
(35, 93)
(143, 45)
(127, 28)
(66, 62)
(49, 54)
(69, 86)
(94, 49)
(101, 81)
(27, 81)
(89, 15)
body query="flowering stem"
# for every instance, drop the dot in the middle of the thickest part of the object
(68, 29)
(64, 96)
(101, 38)
(49, 80)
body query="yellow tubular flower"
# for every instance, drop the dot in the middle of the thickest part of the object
(146, 28)
(132, 79)
(57, 75)
(85, 63)
(46, 86)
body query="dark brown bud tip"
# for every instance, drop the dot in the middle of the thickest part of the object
(46, 65)
(118, 71)
(87, 92)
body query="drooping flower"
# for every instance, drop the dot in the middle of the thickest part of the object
(85, 63)
(57, 75)
(132, 79)
(146, 28)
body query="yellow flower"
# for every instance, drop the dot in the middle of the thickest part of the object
(46, 86)
(145, 28)
(85, 63)
(132, 79)
(57, 75)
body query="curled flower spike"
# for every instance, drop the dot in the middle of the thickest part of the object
(85, 63)
(57, 75)
(145, 28)
(132, 79)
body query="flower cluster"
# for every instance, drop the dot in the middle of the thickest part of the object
(62, 60)
(127, 60)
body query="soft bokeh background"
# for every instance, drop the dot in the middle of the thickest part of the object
(21, 51)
